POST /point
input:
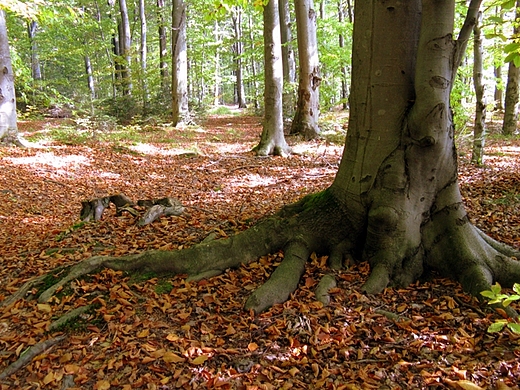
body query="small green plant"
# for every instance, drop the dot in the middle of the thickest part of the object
(68, 231)
(496, 296)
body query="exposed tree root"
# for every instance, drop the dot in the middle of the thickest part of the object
(322, 290)
(319, 223)
(29, 354)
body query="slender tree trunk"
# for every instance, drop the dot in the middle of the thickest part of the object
(512, 89)
(217, 79)
(305, 120)
(254, 72)
(8, 125)
(344, 86)
(288, 60)
(499, 83)
(499, 89)
(110, 57)
(239, 49)
(179, 64)
(125, 43)
(90, 78)
(272, 140)
(143, 56)
(32, 27)
(479, 131)
(163, 50)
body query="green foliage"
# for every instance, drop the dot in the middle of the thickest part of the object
(496, 296)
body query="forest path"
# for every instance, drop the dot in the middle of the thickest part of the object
(166, 333)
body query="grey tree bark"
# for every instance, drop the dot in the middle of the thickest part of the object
(272, 140)
(305, 120)
(8, 124)
(395, 201)
(479, 130)
(179, 64)
(512, 89)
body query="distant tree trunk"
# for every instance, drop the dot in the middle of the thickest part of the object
(512, 93)
(179, 64)
(253, 66)
(350, 11)
(216, 87)
(143, 55)
(344, 86)
(479, 131)
(272, 140)
(239, 49)
(8, 125)
(125, 43)
(110, 57)
(163, 50)
(90, 77)
(499, 84)
(288, 60)
(499, 90)
(36, 72)
(307, 110)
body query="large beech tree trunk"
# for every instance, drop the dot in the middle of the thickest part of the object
(395, 200)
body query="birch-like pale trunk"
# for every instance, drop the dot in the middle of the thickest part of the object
(8, 124)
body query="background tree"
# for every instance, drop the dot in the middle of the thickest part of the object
(143, 54)
(288, 60)
(479, 131)
(125, 43)
(272, 140)
(179, 64)
(239, 52)
(305, 120)
(513, 78)
(8, 124)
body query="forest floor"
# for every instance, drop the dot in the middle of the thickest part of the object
(159, 332)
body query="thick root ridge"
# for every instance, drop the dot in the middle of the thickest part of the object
(283, 281)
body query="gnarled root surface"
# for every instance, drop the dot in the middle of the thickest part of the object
(319, 223)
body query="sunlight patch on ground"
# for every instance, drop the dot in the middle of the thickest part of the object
(154, 150)
(251, 181)
(50, 159)
(229, 148)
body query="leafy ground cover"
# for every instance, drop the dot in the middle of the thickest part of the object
(160, 332)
